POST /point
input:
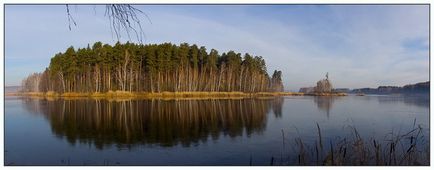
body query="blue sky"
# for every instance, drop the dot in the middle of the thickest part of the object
(360, 46)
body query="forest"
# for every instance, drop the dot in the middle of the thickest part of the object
(153, 68)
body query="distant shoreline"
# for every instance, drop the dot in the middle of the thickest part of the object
(126, 94)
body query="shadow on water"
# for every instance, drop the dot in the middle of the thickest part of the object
(163, 122)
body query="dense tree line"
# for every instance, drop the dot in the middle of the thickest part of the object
(153, 68)
(418, 88)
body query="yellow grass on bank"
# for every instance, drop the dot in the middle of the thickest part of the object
(327, 94)
(52, 94)
(166, 94)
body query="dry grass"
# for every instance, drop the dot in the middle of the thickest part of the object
(13, 94)
(51, 94)
(326, 94)
(97, 94)
(34, 94)
(411, 148)
(166, 94)
(74, 94)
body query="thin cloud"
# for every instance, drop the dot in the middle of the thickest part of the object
(360, 46)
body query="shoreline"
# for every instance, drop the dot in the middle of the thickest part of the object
(126, 94)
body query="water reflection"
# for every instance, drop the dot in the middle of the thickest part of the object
(411, 100)
(324, 103)
(162, 122)
(277, 106)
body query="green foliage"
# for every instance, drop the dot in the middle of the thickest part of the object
(154, 68)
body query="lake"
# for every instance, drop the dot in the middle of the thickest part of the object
(261, 131)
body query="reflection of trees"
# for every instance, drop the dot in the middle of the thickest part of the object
(324, 103)
(411, 100)
(163, 122)
(277, 106)
(34, 105)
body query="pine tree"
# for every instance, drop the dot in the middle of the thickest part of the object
(152, 68)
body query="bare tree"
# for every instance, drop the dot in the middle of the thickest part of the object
(31, 83)
(324, 85)
(122, 18)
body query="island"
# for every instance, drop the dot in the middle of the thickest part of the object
(157, 70)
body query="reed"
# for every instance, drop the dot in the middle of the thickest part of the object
(74, 94)
(164, 94)
(34, 94)
(410, 148)
(52, 94)
(326, 94)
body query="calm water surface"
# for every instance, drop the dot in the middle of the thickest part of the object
(193, 132)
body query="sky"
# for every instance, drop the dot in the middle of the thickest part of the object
(358, 45)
